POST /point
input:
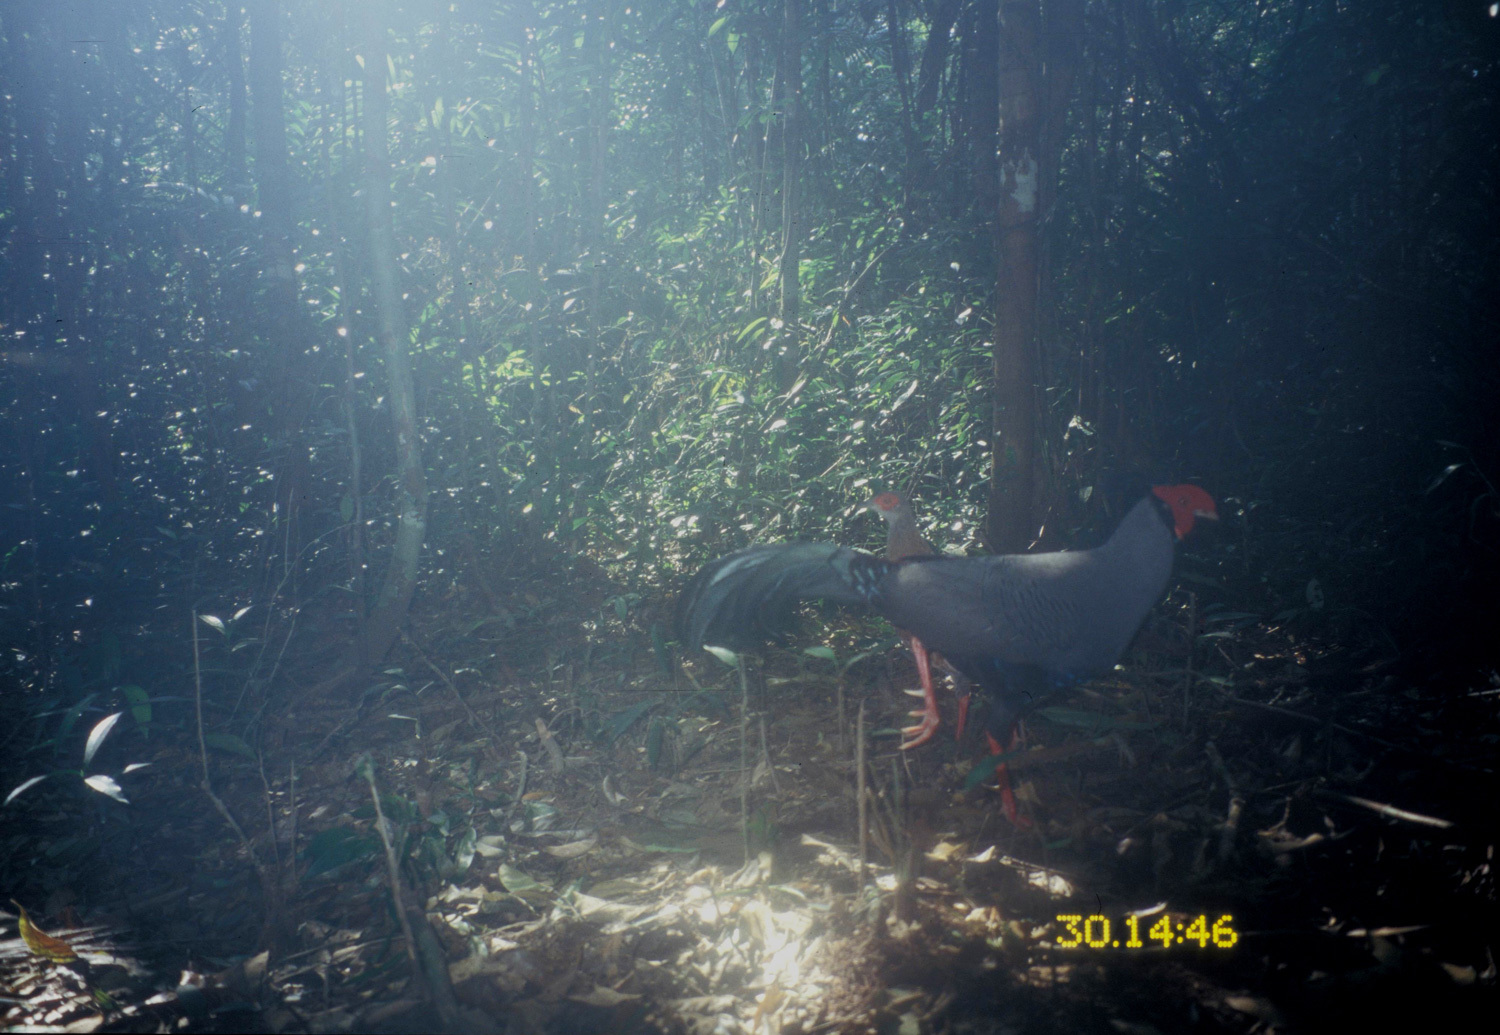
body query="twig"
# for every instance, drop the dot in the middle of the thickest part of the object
(839, 687)
(1388, 811)
(765, 757)
(515, 802)
(549, 742)
(267, 885)
(860, 788)
(479, 724)
(1313, 720)
(366, 768)
(739, 666)
(292, 804)
(429, 966)
(1187, 679)
(1236, 801)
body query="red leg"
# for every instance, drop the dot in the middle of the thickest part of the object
(1002, 775)
(922, 732)
(963, 716)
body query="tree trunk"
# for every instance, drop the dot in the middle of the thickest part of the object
(979, 103)
(287, 397)
(789, 357)
(235, 175)
(1011, 527)
(392, 332)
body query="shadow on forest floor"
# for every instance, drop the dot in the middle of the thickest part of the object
(1312, 835)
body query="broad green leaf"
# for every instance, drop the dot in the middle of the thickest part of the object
(140, 704)
(724, 654)
(622, 720)
(338, 846)
(106, 785)
(97, 734)
(522, 886)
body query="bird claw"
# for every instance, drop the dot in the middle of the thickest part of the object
(921, 733)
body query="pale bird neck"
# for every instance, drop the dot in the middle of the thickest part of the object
(902, 538)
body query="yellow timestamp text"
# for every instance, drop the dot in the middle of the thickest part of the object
(1096, 932)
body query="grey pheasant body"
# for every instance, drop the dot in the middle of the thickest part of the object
(1016, 624)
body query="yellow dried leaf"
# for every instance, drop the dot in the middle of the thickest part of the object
(41, 943)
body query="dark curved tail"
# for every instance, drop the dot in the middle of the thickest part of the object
(743, 600)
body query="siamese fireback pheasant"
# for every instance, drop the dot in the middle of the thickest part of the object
(1019, 625)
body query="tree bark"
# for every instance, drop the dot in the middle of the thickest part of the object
(789, 357)
(235, 175)
(288, 393)
(393, 333)
(1011, 527)
(979, 103)
(1033, 105)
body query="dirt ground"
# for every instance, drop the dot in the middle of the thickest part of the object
(1272, 834)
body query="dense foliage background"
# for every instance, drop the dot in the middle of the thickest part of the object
(543, 325)
(1270, 265)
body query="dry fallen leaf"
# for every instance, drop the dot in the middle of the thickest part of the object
(41, 943)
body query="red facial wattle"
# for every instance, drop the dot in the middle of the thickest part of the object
(1187, 503)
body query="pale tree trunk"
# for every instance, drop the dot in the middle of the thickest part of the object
(288, 393)
(596, 56)
(273, 177)
(789, 357)
(235, 174)
(393, 333)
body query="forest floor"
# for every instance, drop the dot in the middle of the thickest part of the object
(1275, 834)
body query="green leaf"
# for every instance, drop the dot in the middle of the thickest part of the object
(724, 654)
(464, 851)
(522, 886)
(1229, 616)
(97, 735)
(660, 649)
(23, 788)
(750, 329)
(106, 785)
(656, 736)
(339, 846)
(1095, 722)
(140, 704)
(72, 716)
(230, 743)
(622, 720)
(1441, 478)
(826, 653)
(984, 769)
